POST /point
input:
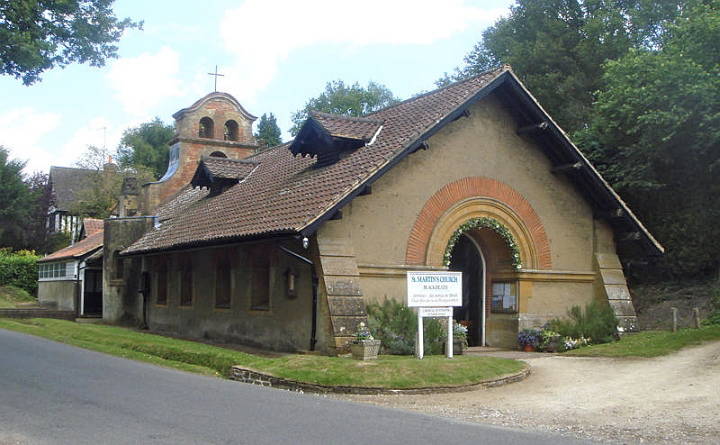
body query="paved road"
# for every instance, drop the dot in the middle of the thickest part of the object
(54, 393)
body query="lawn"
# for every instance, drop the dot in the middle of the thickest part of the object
(11, 297)
(650, 343)
(399, 372)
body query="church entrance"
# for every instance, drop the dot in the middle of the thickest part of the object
(466, 257)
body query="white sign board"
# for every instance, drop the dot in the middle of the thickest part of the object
(433, 289)
(436, 311)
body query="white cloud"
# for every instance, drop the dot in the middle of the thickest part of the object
(143, 82)
(281, 26)
(98, 132)
(22, 131)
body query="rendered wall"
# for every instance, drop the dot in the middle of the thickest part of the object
(285, 326)
(57, 294)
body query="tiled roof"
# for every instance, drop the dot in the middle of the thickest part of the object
(77, 250)
(285, 194)
(67, 183)
(360, 128)
(92, 225)
(228, 168)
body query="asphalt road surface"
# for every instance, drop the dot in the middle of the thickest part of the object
(55, 393)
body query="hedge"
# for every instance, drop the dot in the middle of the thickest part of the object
(19, 269)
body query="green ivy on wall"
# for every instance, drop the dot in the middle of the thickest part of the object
(485, 223)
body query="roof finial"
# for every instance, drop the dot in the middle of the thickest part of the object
(216, 76)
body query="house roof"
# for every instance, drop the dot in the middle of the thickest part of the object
(214, 95)
(67, 183)
(92, 225)
(78, 250)
(287, 195)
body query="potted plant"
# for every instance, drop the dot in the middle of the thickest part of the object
(364, 346)
(550, 341)
(459, 338)
(528, 339)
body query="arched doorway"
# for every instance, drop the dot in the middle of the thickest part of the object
(467, 257)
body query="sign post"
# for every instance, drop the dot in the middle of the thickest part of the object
(434, 294)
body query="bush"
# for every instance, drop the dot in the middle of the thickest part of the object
(596, 323)
(19, 269)
(714, 316)
(395, 325)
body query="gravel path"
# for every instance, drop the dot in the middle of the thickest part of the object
(673, 399)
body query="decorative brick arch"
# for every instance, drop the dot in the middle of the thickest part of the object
(458, 201)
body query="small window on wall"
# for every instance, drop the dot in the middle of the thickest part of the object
(54, 270)
(504, 298)
(222, 285)
(260, 297)
(186, 284)
(162, 280)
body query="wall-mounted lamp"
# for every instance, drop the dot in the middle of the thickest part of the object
(291, 276)
(306, 242)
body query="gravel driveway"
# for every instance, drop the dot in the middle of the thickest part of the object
(673, 399)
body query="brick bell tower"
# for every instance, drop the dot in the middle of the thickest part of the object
(215, 125)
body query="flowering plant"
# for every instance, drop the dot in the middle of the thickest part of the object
(574, 343)
(529, 337)
(363, 333)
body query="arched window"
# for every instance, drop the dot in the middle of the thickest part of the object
(218, 154)
(206, 129)
(231, 131)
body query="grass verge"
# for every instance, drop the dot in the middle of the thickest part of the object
(11, 296)
(397, 372)
(650, 343)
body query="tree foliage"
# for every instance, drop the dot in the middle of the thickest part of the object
(558, 47)
(37, 35)
(655, 134)
(15, 201)
(268, 133)
(146, 147)
(346, 100)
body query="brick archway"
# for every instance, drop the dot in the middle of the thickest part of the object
(470, 197)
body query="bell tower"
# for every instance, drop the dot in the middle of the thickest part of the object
(216, 125)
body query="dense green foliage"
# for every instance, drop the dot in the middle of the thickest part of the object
(637, 83)
(558, 47)
(395, 325)
(346, 100)
(597, 323)
(268, 133)
(15, 199)
(714, 317)
(19, 269)
(38, 35)
(650, 343)
(146, 147)
(386, 372)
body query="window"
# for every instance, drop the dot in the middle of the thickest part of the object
(504, 298)
(206, 129)
(218, 154)
(162, 280)
(186, 284)
(51, 271)
(260, 296)
(222, 284)
(119, 266)
(231, 131)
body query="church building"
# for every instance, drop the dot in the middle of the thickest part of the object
(282, 248)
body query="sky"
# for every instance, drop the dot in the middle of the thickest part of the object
(274, 54)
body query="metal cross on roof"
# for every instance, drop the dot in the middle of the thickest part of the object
(216, 76)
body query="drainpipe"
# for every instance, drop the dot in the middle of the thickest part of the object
(313, 330)
(78, 289)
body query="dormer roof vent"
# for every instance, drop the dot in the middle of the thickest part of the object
(327, 136)
(218, 174)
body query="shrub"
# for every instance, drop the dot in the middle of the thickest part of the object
(597, 323)
(714, 316)
(19, 269)
(395, 325)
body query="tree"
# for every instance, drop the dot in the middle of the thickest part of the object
(146, 146)
(558, 47)
(268, 132)
(655, 135)
(38, 35)
(352, 100)
(36, 229)
(15, 202)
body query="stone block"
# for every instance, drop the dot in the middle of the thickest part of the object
(343, 286)
(617, 292)
(622, 308)
(346, 266)
(346, 326)
(346, 306)
(612, 276)
(608, 261)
